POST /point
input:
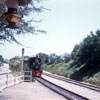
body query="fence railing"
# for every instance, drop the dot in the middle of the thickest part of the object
(7, 80)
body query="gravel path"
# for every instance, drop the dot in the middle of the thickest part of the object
(92, 95)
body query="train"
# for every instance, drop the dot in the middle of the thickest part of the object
(34, 63)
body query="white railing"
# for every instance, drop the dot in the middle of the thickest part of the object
(7, 80)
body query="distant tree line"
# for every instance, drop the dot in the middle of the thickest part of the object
(2, 60)
(53, 58)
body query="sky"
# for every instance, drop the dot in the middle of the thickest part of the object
(67, 23)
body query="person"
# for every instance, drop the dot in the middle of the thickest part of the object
(11, 17)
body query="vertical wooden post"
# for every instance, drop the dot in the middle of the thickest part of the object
(15, 80)
(7, 80)
(31, 76)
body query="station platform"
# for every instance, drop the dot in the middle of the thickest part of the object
(29, 91)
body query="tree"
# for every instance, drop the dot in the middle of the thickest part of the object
(66, 57)
(1, 58)
(25, 26)
(44, 57)
(88, 51)
(74, 53)
(15, 64)
(54, 59)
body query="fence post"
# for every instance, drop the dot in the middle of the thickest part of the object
(6, 80)
(15, 80)
(31, 77)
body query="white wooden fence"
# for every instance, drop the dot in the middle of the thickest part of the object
(7, 80)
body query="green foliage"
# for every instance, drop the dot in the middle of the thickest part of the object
(1, 58)
(66, 57)
(54, 59)
(94, 80)
(75, 52)
(15, 64)
(50, 59)
(59, 68)
(44, 57)
(89, 50)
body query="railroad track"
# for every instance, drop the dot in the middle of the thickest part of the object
(89, 86)
(66, 93)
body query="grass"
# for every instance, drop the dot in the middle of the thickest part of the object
(69, 69)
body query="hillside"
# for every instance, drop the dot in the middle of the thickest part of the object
(74, 72)
(83, 64)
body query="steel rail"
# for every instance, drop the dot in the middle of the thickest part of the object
(89, 86)
(66, 93)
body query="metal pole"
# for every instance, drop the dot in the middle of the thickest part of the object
(22, 60)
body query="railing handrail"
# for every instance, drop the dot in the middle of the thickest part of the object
(4, 83)
(5, 73)
(10, 81)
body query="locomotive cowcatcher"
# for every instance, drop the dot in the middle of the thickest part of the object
(34, 64)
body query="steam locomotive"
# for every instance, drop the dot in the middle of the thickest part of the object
(34, 64)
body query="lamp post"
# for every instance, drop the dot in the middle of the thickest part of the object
(22, 60)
